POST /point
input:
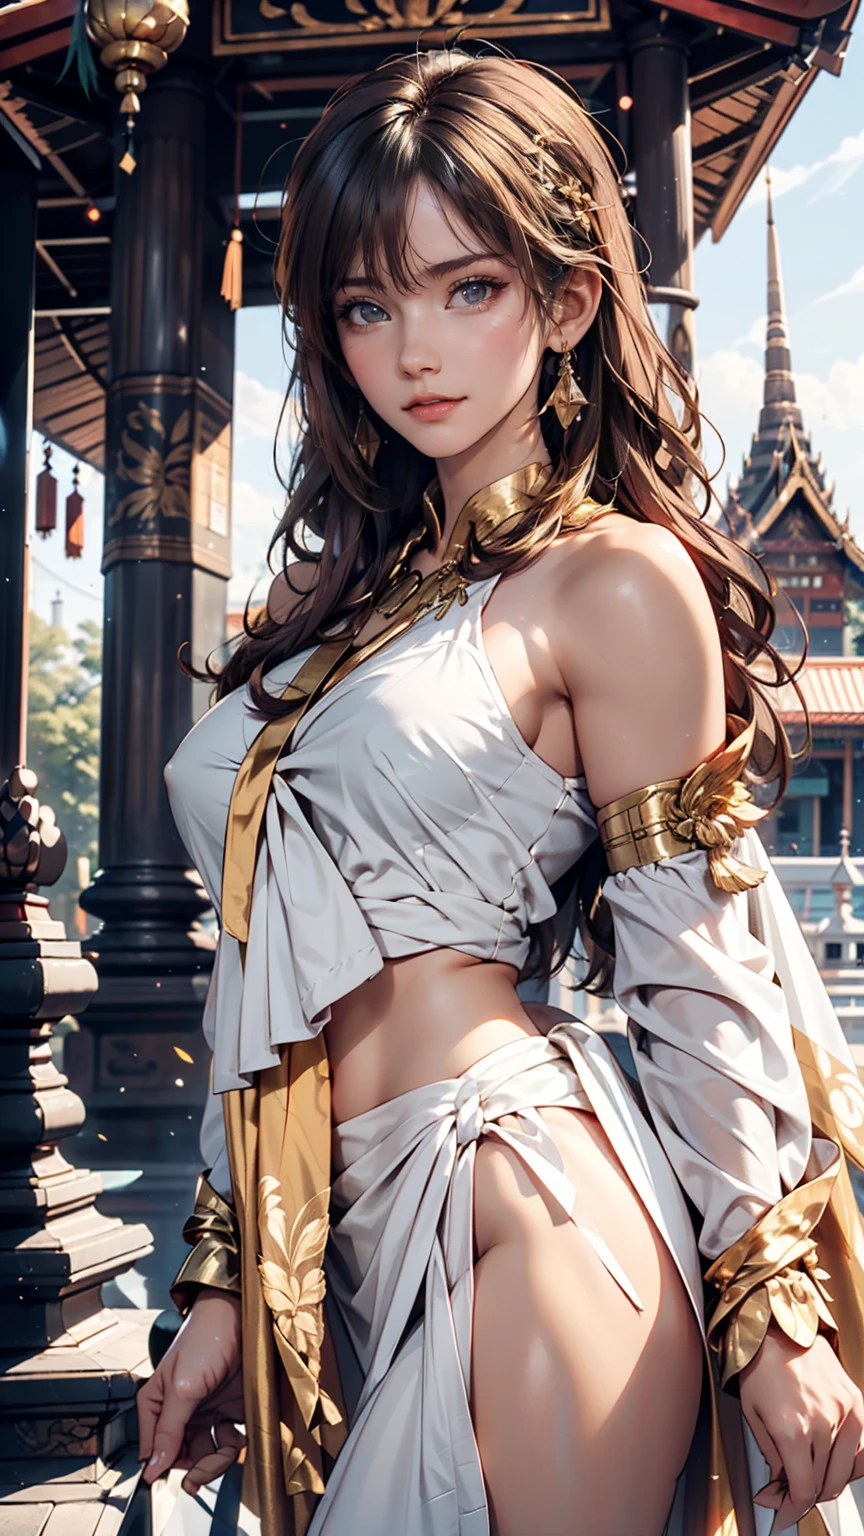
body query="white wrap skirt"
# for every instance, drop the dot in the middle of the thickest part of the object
(400, 1268)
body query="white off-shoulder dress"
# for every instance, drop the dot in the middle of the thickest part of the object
(409, 814)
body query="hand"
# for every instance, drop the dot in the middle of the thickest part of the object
(196, 1388)
(807, 1417)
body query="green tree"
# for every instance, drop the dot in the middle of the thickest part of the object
(65, 687)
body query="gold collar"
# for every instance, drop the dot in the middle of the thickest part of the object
(483, 514)
(489, 508)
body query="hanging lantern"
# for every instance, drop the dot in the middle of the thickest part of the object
(46, 497)
(74, 520)
(136, 40)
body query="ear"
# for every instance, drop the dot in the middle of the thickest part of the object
(575, 308)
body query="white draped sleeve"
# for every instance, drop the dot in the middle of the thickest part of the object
(712, 1042)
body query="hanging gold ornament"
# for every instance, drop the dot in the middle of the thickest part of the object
(136, 39)
(566, 398)
(366, 438)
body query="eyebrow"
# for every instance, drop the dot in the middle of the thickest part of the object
(439, 269)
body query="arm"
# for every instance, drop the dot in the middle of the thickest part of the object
(637, 647)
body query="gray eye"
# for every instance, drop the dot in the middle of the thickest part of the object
(366, 313)
(474, 293)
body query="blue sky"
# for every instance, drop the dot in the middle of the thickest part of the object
(818, 190)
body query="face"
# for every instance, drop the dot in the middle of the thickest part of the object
(455, 361)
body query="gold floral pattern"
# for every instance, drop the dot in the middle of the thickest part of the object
(387, 15)
(290, 1267)
(160, 474)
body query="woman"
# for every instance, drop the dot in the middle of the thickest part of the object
(393, 808)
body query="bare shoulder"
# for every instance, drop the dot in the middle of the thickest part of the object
(289, 587)
(637, 644)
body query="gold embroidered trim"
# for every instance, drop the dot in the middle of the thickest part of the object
(213, 1233)
(709, 809)
(773, 1271)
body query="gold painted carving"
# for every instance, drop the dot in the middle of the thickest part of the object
(295, 26)
(387, 14)
(161, 478)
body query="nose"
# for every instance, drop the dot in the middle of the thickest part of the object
(418, 354)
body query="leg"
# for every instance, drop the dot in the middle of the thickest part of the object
(583, 1407)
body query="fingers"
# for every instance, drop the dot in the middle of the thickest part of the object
(841, 1463)
(775, 1461)
(149, 1403)
(169, 1434)
(212, 1462)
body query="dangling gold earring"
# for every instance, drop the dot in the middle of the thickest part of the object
(366, 439)
(566, 398)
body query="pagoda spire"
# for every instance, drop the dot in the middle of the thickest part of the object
(780, 405)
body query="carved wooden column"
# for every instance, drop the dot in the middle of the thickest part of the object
(166, 568)
(19, 169)
(664, 177)
(68, 1367)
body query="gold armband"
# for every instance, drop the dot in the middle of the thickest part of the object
(772, 1272)
(213, 1233)
(709, 809)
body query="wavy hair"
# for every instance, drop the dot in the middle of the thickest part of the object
(496, 138)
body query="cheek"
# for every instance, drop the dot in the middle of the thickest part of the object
(364, 360)
(508, 345)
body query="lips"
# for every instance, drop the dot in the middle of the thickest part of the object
(432, 407)
(431, 400)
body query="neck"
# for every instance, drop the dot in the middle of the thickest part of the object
(504, 449)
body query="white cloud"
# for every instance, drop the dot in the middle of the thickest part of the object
(257, 410)
(729, 382)
(254, 518)
(838, 400)
(755, 337)
(838, 167)
(853, 285)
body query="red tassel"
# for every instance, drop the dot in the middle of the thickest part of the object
(46, 498)
(74, 520)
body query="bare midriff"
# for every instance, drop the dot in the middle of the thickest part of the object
(420, 1020)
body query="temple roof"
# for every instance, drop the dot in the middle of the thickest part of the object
(781, 468)
(833, 689)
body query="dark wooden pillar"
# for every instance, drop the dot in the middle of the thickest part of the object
(19, 169)
(664, 177)
(166, 566)
(68, 1367)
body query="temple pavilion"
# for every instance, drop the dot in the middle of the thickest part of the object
(782, 509)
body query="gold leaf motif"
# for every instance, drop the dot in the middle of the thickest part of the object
(290, 1267)
(713, 807)
(162, 480)
(411, 15)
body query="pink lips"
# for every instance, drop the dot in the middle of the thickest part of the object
(432, 409)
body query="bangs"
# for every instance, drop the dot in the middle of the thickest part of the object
(370, 200)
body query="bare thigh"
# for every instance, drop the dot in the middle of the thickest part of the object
(583, 1407)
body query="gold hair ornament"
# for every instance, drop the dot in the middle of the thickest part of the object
(568, 189)
(709, 809)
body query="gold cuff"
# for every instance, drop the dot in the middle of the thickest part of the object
(709, 809)
(772, 1271)
(213, 1233)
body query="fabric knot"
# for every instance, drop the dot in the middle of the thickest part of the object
(469, 1112)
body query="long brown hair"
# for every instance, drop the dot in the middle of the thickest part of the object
(497, 139)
